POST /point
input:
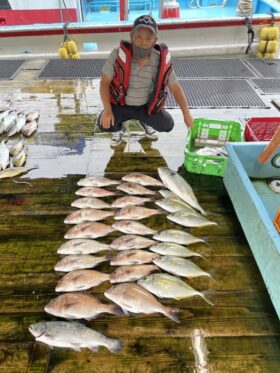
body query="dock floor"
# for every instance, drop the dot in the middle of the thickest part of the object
(240, 333)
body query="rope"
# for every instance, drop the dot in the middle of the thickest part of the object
(65, 31)
(250, 32)
(272, 19)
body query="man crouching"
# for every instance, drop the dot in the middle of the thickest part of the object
(134, 84)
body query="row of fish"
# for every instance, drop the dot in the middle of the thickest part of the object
(133, 257)
(135, 263)
(12, 122)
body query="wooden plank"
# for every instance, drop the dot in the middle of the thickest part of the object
(23, 357)
(234, 273)
(177, 356)
(218, 322)
(23, 297)
(257, 353)
(34, 204)
(56, 193)
(213, 189)
(37, 204)
(33, 300)
(41, 186)
(43, 279)
(34, 225)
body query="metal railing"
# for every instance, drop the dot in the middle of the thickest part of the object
(146, 5)
(215, 4)
(113, 5)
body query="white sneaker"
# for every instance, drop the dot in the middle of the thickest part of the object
(150, 133)
(117, 138)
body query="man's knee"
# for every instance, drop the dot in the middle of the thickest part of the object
(166, 125)
(170, 126)
(165, 121)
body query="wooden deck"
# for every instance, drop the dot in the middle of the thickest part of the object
(239, 334)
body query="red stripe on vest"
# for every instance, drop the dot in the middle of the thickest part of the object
(120, 82)
(122, 67)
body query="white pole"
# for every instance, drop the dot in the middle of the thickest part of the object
(79, 11)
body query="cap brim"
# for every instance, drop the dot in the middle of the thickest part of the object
(145, 26)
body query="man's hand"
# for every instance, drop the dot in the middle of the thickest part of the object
(180, 98)
(188, 119)
(107, 119)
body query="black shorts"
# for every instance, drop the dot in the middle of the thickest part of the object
(161, 122)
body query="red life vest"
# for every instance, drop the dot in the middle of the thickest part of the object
(120, 82)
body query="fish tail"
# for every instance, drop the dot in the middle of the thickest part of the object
(109, 256)
(205, 295)
(202, 211)
(211, 275)
(152, 198)
(115, 345)
(205, 241)
(107, 277)
(115, 310)
(159, 212)
(171, 313)
(203, 256)
(162, 211)
(154, 267)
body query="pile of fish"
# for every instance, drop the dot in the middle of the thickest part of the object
(12, 160)
(13, 157)
(213, 151)
(138, 253)
(12, 123)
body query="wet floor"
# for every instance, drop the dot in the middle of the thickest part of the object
(240, 333)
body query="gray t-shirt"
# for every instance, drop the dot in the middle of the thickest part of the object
(142, 80)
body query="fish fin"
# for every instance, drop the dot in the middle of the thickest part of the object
(84, 228)
(205, 295)
(66, 306)
(211, 275)
(75, 278)
(78, 259)
(171, 313)
(46, 334)
(93, 348)
(81, 288)
(115, 345)
(76, 244)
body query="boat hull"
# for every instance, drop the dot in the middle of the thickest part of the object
(193, 38)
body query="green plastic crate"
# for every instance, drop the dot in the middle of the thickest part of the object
(211, 131)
